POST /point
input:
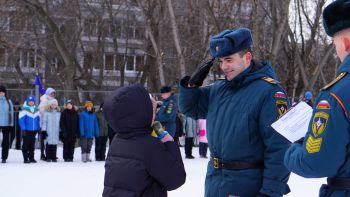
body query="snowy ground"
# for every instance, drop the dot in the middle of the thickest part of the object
(86, 179)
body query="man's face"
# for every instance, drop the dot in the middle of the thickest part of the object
(89, 108)
(165, 95)
(2, 93)
(234, 64)
(31, 103)
(341, 41)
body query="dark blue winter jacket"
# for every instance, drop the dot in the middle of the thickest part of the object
(239, 115)
(138, 164)
(167, 115)
(325, 151)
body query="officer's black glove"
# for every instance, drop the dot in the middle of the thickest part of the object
(43, 135)
(201, 73)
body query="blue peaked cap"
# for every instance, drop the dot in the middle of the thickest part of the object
(230, 41)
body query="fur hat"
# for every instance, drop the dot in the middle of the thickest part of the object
(336, 16)
(165, 89)
(230, 41)
(88, 104)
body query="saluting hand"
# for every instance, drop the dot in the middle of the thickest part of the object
(200, 74)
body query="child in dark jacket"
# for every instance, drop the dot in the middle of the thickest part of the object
(138, 164)
(69, 124)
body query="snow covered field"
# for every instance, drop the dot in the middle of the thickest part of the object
(79, 179)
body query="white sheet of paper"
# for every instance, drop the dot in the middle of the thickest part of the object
(294, 124)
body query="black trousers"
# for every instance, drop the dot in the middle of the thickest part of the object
(28, 145)
(5, 145)
(68, 148)
(51, 151)
(42, 146)
(18, 138)
(100, 148)
(188, 146)
(203, 148)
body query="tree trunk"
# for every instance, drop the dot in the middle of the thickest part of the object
(176, 38)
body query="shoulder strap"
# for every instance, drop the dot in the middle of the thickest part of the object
(270, 80)
(336, 80)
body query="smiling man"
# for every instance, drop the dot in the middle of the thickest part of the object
(246, 153)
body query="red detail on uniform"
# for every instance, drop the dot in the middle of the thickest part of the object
(323, 104)
(280, 95)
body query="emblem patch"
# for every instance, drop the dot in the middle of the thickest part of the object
(217, 48)
(323, 105)
(319, 123)
(170, 108)
(313, 145)
(280, 95)
(282, 107)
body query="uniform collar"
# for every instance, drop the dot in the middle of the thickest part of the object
(345, 65)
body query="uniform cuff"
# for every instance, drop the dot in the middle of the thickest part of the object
(274, 188)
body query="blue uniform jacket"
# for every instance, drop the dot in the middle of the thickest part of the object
(325, 151)
(88, 125)
(167, 115)
(239, 114)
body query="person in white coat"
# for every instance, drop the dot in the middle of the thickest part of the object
(50, 129)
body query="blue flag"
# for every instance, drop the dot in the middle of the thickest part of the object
(38, 83)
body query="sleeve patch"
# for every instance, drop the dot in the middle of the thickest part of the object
(280, 95)
(170, 108)
(323, 105)
(319, 123)
(281, 106)
(313, 145)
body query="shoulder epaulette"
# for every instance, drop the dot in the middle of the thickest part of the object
(334, 81)
(270, 80)
(220, 78)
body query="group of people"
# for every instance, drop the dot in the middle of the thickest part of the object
(48, 123)
(247, 156)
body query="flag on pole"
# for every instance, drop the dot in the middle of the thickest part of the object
(38, 83)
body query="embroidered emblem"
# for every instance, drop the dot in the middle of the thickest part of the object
(170, 108)
(319, 123)
(280, 95)
(323, 105)
(282, 107)
(313, 145)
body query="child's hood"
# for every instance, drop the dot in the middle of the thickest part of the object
(129, 110)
